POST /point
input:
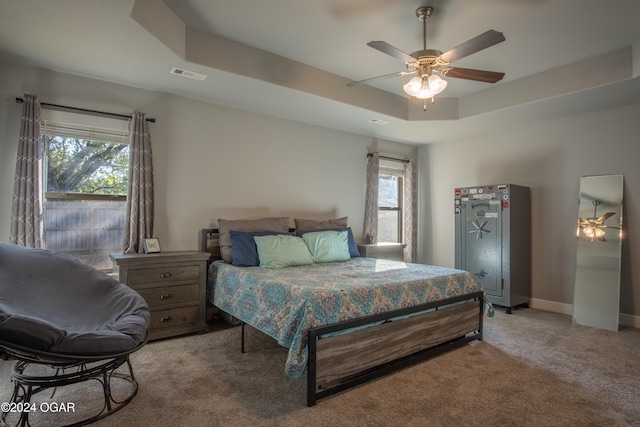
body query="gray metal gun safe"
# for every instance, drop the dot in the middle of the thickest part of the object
(493, 240)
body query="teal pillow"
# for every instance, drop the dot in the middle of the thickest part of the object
(328, 246)
(282, 251)
(353, 246)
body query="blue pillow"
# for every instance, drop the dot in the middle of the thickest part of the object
(353, 246)
(243, 247)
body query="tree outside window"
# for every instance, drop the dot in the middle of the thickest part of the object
(81, 166)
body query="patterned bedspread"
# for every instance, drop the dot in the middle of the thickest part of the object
(285, 303)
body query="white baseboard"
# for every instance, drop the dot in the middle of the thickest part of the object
(562, 308)
(630, 320)
(554, 307)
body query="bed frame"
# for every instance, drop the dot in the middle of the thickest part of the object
(337, 362)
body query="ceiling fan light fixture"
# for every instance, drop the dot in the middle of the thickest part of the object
(416, 86)
(437, 84)
(593, 232)
(425, 87)
(594, 227)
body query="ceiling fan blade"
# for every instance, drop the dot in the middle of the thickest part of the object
(386, 76)
(471, 74)
(471, 46)
(605, 217)
(385, 47)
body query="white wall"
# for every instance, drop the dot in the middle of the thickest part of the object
(214, 162)
(549, 157)
(210, 162)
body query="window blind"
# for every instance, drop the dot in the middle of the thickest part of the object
(74, 130)
(391, 167)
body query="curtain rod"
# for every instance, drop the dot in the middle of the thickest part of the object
(389, 158)
(83, 110)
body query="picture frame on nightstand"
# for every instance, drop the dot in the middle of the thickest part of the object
(151, 245)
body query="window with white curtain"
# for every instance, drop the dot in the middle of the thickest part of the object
(85, 178)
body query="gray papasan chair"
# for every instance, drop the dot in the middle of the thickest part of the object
(64, 323)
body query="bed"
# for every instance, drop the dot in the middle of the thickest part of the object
(345, 322)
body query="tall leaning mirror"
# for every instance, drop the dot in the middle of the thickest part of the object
(596, 291)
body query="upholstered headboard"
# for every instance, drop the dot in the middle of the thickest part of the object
(216, 241)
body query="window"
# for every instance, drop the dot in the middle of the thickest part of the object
(85, 179)
(390, 202)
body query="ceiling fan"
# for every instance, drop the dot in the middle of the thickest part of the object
(429, 64)
(593, 227)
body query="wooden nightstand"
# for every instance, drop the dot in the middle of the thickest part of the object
(392, 251)
(174, 286)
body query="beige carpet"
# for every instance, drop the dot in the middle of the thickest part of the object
(533, 368)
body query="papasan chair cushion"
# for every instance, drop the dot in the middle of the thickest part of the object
(53, 303)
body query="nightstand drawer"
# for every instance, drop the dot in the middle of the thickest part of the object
(174, 317)
(167, 295)
(164, 274)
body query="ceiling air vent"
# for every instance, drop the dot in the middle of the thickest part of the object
(188, 74)
(378, 122)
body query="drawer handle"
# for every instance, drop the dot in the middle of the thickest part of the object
(165, 319)
(165, 275)
(165, 296)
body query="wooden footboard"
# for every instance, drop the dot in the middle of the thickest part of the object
(400, 338)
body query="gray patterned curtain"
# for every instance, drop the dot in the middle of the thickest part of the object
(139, 221)
(410, 212)
(371, 199)
(26, 211)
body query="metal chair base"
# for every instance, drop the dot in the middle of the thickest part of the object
(29, 380)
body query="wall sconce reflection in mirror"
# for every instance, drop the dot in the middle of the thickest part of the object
(593, 227)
